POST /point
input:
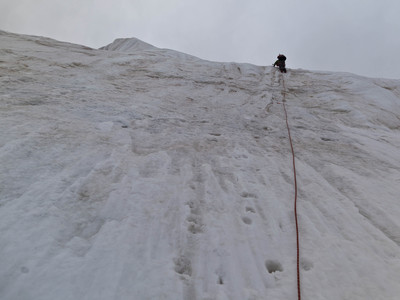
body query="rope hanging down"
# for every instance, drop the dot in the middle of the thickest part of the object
(295, 187)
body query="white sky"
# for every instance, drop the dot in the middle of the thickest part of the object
(358, 36)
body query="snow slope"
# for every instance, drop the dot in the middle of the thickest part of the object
(145, 173)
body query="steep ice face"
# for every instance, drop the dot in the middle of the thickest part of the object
(156, 175)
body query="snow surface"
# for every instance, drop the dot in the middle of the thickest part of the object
(150, 174)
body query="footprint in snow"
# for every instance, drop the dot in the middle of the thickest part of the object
(247, 220)
(273, 266)
(250, 209)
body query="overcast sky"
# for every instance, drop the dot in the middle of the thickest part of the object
(357, 36)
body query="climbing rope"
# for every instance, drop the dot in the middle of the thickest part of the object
(295, 186)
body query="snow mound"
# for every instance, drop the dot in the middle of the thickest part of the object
(128, 45)
(134, 45)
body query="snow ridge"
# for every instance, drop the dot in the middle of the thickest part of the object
(151, 174)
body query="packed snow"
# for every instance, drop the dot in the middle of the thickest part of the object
(132, 172)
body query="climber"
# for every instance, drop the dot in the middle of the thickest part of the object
(281, 63)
